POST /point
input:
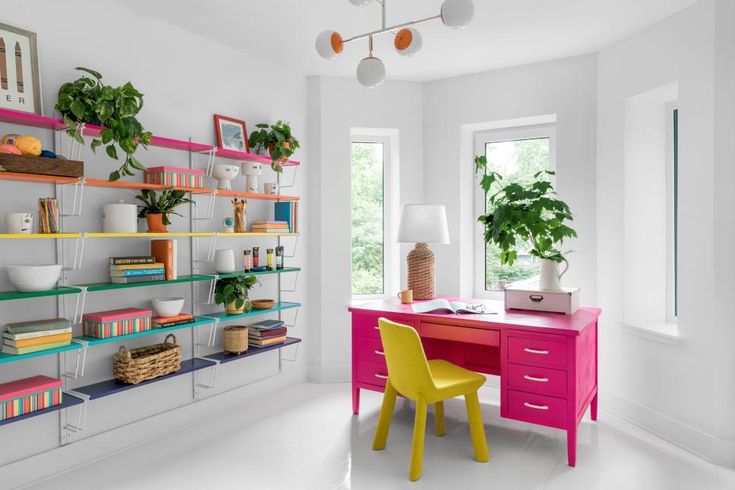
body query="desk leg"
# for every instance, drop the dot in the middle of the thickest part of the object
(572, 446)
(355, 399)
(593, 408)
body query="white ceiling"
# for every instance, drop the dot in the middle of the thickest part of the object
(503, 33)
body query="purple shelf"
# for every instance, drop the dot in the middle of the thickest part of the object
(68, 401)
(224, 358)
(113, 386)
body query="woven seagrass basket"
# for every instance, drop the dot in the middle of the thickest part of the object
(236, 339)
(138, 365)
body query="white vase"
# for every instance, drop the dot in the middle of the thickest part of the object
(550, 278)
(224, 261)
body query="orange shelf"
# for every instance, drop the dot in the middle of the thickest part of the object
(254, 195)
(121, 184)
(46, 179)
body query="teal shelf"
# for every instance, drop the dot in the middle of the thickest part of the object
(5, 358)
(224, 317)
(199, 321)
(259, 273)
(105, 286)
(59, 291)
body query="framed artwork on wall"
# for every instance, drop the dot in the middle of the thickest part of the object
(232, 134)
(20, 85)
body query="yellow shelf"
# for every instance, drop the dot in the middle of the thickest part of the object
(148, 235)
(35, 236)
(252, 233)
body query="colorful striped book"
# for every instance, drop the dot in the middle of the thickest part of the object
(174, 176)
(136, 279)
(49, 339)
(27, 386)
(30, 403)
(113, 323)
(130, 267)
(34, 335)
(17, 351)
(137, 272)
(38, 326)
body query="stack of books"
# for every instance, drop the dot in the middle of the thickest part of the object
(266, 333)
(26, 337)
(171, 321)
(128, 270)
(263, 226)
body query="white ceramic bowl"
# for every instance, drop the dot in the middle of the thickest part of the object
(31, 278)
(166, 307)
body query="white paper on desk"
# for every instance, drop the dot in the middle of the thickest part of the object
(442, 305)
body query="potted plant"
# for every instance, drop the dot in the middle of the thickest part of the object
(277, 139)
(88, 100)
(233, 293)
(156, 210)
(526, 213)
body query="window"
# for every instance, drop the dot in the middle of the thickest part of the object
(672, 178)
(516, 154)
(370, 157)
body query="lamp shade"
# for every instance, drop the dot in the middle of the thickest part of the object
(370, 72)
(456, 14)
(423, 223)
(408, 41)
(329, 44)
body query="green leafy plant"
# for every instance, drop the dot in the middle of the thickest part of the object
(88, 100)
(234, 290)
(524, 213)
(164, 205)
(277, 139)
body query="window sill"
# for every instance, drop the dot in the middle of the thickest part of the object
(667, 333)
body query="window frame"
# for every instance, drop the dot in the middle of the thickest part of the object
(480, 140)
(385, 140)
(672, 211)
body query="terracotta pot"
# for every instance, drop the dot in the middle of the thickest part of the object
(155, 223)
(286, 145)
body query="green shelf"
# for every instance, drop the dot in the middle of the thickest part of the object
(259, 273)
(106, 286)
(223, 316)
(59, 291)
(199, 321)
(5, 358)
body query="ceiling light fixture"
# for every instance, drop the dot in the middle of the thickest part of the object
(455, 14)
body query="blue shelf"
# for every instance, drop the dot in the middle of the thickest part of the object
(113, 386)
(4, 357)
(154, 331)
(223, 357)
(68, 401)
(223, 316)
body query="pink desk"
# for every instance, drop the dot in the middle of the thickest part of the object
(547, 362)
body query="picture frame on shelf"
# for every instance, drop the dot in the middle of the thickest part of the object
(232, 134)
(20, 82)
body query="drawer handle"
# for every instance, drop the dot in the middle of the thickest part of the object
(381, 376)
(376, 328)
(379, 352)
(536, 351)
(536, 298)
(531, 405)
(533, 378)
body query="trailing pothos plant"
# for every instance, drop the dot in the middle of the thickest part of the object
(277, 139)
(88, 100)
(521, 213)
(234, 290)
(164, 204)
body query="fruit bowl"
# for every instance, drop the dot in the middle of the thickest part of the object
(167, 307)
(32, 278)
(263, 304)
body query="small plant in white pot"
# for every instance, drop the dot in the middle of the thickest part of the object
(526, 213)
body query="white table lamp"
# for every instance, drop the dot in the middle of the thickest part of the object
(422, 224)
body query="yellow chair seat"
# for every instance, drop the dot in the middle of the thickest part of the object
(452, 381)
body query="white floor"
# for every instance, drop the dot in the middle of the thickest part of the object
(307, 438)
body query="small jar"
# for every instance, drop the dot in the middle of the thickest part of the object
(279, 257)
(269, 258)
(256, 257)
(247, 260)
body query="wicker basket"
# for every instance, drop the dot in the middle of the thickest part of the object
(236, 339)
(137, 365)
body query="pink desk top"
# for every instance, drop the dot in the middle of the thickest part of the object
(536, 321)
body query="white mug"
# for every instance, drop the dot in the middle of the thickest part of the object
(18, 222)
(224, 261)
(271, 188)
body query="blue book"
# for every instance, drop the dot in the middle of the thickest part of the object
(268, 324)
(286, 211)
(137, 272)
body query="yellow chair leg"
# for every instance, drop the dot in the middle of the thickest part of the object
(386, 413)
(439, 418)
(417, 448)
(477, 429)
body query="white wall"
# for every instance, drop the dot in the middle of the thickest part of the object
(335, 106)
(565, 88)
(186, 79)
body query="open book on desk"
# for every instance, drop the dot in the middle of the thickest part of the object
(442, 305)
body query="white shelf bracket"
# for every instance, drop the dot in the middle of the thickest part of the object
(295, 243)
(295, 282)
(295, 319)
(76, 207)
(81, 360)
(78, 253)
(287, 359)
(293, 179)
(213, 377)
(79, 304)
(81, 414)
(212, 331)
(210, 208)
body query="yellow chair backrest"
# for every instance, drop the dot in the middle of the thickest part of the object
(408, 369)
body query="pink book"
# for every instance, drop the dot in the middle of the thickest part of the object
(113, 315)
(180, 170)
(27, 386)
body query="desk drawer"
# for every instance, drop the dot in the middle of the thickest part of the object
(371, 373)
(537, 351)
(370, 350)
(537, 379)
(537, 409)
(460, 334)
(367, 325)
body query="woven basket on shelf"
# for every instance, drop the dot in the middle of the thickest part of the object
(421, 272)
(138, 365)
(236, 339)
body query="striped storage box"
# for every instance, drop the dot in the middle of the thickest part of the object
(175, 176)
(113, 323)
(28, 395)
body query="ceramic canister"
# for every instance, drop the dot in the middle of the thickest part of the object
(224, 261)
(120, 218)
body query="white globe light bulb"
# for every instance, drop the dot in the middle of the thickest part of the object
(457, 14)
(360, 3)
(329, 44)
(370, 72)
(408, 41)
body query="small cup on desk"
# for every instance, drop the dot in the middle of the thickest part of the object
(406, 296)
(18, 222)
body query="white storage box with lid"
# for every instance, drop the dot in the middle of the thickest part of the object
(527, 296)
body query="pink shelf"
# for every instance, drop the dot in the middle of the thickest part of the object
(26, 119)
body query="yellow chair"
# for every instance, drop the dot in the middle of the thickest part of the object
(411, 375)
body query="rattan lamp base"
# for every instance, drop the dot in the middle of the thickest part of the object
(421, 275)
